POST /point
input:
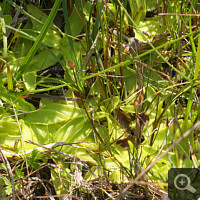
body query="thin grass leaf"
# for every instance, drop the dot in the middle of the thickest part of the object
(71, 44)
(39, 39)
(23, 11)
(153, 48)
(190, 29)
(2, 22)
(9, 79)
(21, 32)
(128, 62)
(34, 39)
(197, 65)
(196, 73)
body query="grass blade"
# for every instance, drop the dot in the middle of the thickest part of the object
(196, 72)
(153, 48)
(2, 22)
(39, 39)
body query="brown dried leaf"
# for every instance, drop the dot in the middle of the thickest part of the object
(123, 119)
(142, 119)
(124, 142)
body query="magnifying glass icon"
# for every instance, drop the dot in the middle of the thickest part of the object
(182, 182)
